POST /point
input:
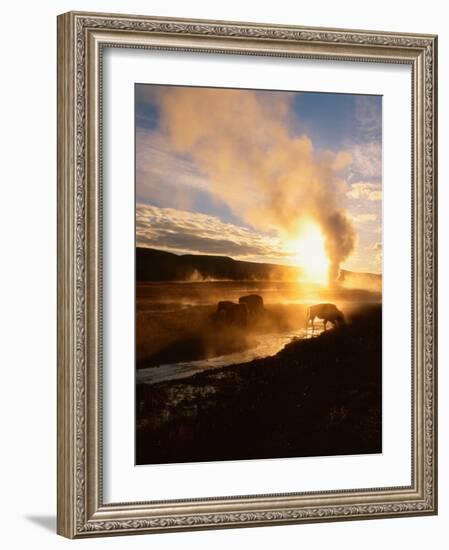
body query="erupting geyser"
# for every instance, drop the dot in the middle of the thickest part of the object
(267, 174)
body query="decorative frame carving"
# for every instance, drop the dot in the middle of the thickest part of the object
(81, 38)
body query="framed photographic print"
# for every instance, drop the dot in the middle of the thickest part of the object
(246, 274)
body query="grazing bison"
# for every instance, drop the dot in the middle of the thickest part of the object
(254, 303)
(233, 313)
(239, 314)
(224, 306)
(329, 313)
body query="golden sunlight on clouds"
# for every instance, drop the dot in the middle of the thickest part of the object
(365, 190)
(364, 218)
(183, 232)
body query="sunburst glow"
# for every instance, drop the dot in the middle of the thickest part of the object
(309, 252)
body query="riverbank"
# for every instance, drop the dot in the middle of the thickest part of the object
(194, 333)
(320, 396)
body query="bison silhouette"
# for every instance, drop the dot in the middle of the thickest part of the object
(328, 313)
(254, 302)
(239, 314)
(224, 306)
(232, 313)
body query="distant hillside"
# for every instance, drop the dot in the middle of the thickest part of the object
(157, 265)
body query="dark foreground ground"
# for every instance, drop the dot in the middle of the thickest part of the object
(320, 396)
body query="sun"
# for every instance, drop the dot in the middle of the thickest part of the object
(309, 252)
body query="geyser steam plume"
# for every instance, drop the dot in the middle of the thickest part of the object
(244, 141)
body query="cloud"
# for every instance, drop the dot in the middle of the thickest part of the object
(367, 161)
(368, 114)
(156, 158)
(365, 190)
(185, 232)
(378, 249)
(363, 218)
(240, 142)
(164, 177)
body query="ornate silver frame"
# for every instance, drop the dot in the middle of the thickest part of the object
(81, 38)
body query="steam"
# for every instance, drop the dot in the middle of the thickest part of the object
(244, 142)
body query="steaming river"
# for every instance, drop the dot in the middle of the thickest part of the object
(269, 344)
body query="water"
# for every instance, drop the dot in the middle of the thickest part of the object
(173, 295)
(268, 345)
(168, 308)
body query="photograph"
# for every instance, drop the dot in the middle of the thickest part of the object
(247, 273)
(258, 274)
(228, 224)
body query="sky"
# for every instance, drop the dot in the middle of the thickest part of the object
(238, 173)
